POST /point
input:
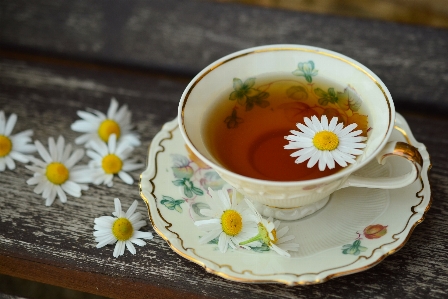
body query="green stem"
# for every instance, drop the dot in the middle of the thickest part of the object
(256, 238)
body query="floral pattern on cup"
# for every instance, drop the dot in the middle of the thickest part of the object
(306, 69)
(194, 177)
(331, 102)
(374, 231)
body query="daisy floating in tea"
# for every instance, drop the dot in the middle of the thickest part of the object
(325, 143)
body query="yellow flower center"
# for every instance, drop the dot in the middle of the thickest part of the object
(112, 164)
(5, 145)
(108, 127)
(57, 173)
(122, 229)
(326, 141)
(231, 222)
(274, 233)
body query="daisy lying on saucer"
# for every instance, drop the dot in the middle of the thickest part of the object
(238, 224)
(325, 143)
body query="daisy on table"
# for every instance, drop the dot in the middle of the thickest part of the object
(57, 174)
(269, 234)
(325, 143)
(111, 159)
(13, 147)
(98, 126)
(231, 222)
(122, 229)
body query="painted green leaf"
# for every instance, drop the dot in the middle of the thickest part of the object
(237, 84)
(298, 93)
(171, 203)
(249, 83)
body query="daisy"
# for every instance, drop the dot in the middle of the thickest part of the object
(110, 159)
(98, 126)
(231, 222)
(13, 147)
(122, 229)
(269, 234)
(323, 142)
(57, 173)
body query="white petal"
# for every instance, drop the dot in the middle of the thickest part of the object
(117, 249)
(10, 163)
(19, 157)
(61, 194)
(132, 166)
(131, 209)
(2, 164)
(43, 152)
(117, 205)
(2, 122)
(209, 236)
(347, 130)
(112, 108)
(279, 250)
(126, 177)
(112, 143)
(53, 149)
(314, 158)
(333, 123)
(10, 124)
(130, 247)
(307, 131)
(316, 123)
(74, 158)
(109, 240)
(138, 242)
(223, 242)
(71, 188)
(142, 235)
(324, 122)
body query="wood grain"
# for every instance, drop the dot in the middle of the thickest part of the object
(185, 36)
(57, 241)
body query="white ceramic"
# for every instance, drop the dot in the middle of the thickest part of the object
(282, 199)
(354, 231)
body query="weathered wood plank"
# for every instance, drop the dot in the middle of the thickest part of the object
(185, 36)
(58, 239)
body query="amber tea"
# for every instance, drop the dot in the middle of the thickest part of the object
(246, 127)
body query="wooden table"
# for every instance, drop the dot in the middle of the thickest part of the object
(60, 57)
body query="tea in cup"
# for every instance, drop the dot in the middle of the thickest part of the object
(237, 113)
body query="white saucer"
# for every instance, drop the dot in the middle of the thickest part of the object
(344, 237)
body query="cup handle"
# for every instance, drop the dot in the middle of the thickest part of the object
(392, 148)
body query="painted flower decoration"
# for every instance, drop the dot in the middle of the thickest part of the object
(231, 222)
(13, 147)
(246, 95)
(306, 69)
(375, 231)
(97, 126)
(111, 159)
(270, 235)
(325, 143)
(123, 229)
(57, 173)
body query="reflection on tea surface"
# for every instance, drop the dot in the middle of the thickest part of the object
(246, 127)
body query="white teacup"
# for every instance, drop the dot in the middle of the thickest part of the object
(289, 200)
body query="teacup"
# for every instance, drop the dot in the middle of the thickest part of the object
(290, 200)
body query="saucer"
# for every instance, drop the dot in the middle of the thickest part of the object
(354, 231)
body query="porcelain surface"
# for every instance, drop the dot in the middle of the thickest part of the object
(354, 231)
